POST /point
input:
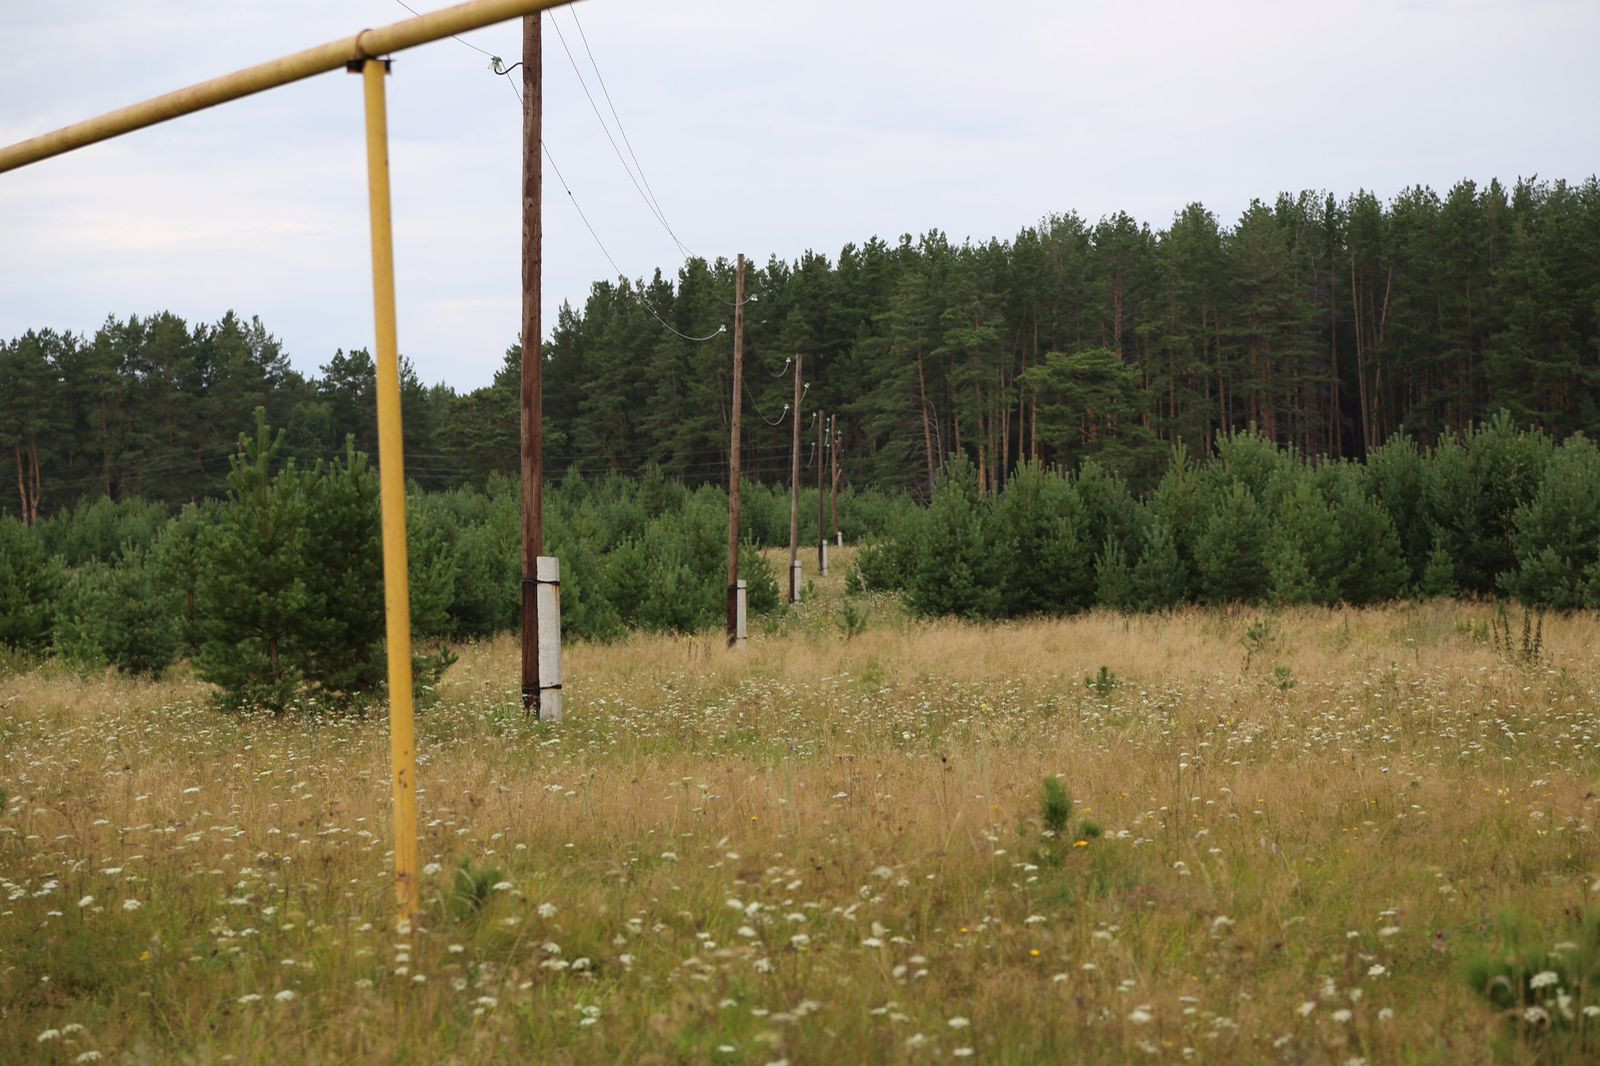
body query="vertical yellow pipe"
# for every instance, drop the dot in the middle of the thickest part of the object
(392, 481)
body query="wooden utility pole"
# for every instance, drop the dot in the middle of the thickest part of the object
(733, 453)
(794, 491)
(833, 472)
(822, 499)
(532, 361)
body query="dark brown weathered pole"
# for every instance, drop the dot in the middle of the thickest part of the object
(794, 491)
(822, 498)
(532, 361)
(733, 452)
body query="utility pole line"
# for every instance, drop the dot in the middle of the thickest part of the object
(822, 499)
(733, 454)
(794, 491)
(532, 393)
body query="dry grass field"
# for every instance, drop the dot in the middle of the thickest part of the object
(1291, 835)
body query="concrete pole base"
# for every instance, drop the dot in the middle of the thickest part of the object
(741, 631)
(549, 593)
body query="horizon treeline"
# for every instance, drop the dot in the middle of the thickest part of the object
(1329, 325)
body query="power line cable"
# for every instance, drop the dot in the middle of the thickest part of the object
(602, 246)
(688, 464)
(453, 37)
(606, 129)
(750, 396)
(661, 214)
(655, 210)
(647, 193)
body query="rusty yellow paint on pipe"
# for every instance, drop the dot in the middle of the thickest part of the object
(368, 44)
(392, 488)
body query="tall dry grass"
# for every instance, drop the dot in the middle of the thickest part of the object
(1290, 833)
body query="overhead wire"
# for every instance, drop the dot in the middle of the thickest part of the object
(750, 396)
(453, 37)
(691, 464)
(573, 11)
(647, 198)
(602, 245)
(497, 69)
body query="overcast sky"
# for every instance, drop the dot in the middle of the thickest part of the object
(762, 127)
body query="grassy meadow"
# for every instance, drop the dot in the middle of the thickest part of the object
(1291, 837)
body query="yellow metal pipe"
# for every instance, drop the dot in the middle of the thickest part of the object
(392, 488)
(368, 44)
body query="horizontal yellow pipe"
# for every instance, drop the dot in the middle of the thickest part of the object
(368, 44)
